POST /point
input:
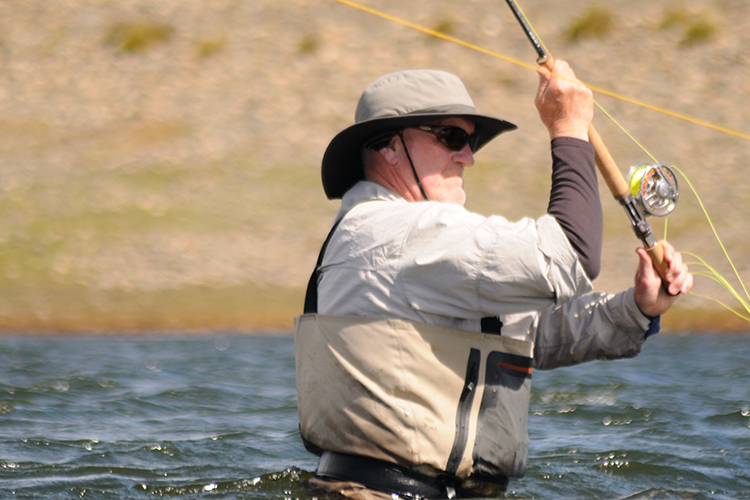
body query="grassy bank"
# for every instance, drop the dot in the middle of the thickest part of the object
(240, 308)
(160, 160)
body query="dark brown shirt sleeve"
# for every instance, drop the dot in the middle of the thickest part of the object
(574, 200)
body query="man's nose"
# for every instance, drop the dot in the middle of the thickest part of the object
(465, 156)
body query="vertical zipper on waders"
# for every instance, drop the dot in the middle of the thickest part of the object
(463, 415)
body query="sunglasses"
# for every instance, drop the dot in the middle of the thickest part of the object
(453, 138)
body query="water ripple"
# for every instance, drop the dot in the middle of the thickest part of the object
(92, 418)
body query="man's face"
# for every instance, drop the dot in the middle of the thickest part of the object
(440, 170)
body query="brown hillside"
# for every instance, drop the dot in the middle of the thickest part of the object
(160, 159)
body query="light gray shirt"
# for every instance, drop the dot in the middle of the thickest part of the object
(440, 264)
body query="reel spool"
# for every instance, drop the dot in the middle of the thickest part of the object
(654, 188)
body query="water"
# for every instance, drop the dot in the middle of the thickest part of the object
(215, 417)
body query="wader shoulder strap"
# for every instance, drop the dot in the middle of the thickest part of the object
(311, 297)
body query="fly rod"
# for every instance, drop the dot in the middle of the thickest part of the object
(656, 186)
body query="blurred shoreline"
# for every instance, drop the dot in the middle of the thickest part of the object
(215, 318)
(160, 159)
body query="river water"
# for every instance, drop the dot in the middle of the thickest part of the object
(188, 416)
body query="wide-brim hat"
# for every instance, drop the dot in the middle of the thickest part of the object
(396, 101)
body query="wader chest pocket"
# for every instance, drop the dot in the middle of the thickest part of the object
(501, 444)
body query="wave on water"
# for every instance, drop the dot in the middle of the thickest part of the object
(194, 417)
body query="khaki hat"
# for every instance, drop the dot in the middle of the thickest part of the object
(393, 102)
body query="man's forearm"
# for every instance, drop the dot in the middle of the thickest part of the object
(575, 202)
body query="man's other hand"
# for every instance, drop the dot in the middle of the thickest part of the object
(653, 296)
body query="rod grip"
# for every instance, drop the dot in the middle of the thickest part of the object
(657, 257)
(612, 176)
(547, 61)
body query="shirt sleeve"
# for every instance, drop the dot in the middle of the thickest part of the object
(594, 326)
(575, 201)
(462, 265)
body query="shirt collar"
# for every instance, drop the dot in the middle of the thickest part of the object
(367, 191)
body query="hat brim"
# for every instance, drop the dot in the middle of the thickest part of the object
(342, 161)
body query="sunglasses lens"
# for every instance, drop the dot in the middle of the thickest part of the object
(454, 138)
(473, 142)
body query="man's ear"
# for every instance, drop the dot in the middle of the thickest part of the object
(391, 151)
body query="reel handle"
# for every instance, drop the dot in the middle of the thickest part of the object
(617, 184)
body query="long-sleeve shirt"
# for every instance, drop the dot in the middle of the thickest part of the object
(440, 264)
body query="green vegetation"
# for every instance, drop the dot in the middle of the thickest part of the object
(210, 47)
(445, 26)
(597, 22)
(309, 44)
(674, 17)
(94, 252)
(138, 37)
(61, 308)
(698, 27)
(683, 319)
(701, 30)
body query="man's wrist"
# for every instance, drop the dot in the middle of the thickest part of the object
(574, 132)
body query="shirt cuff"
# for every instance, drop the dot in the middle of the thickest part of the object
(572, 141)
(654, 327)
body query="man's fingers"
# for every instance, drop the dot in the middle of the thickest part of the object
(688, 282)
(677, 276)
(676, 273)
(645, 265)
(544, 79)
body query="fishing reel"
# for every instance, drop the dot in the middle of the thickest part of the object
(654, 188)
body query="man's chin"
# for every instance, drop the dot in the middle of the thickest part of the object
(459, 194)
(458, 197)
(454, 194)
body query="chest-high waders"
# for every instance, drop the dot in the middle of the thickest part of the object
(411, 408)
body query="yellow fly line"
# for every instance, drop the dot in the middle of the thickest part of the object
(536, 68)
(705, 270)
(437, 34)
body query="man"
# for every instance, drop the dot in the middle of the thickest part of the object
(424, 321)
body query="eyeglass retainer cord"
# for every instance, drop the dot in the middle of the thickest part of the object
(411, 163)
